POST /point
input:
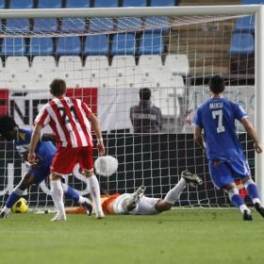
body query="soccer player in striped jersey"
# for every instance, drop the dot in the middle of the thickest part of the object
(71, 121)
(36, 173)
(227, 163)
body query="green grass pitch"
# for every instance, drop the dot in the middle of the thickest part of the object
(180, 236)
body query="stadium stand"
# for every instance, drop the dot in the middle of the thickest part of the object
(17, 4)
(13, 47)
(77, 4)
(242, 43)
(124, 44)
(49, 4)
(101, 25)
(41, 47)
(151, 43)
(96, 45)
(134, 3)
(108, 3)
(251, 2)
(68, 46)
(2, 4)
(245, 24)
(74, 25)
(45, 25)
(18, 25)
(163, 2)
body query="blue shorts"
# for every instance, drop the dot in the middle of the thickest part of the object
(39, 173)
(225, 172)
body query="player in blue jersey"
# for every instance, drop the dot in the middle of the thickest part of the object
(216, 117)
(36, 173)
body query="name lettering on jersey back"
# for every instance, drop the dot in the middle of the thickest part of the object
(144, 116)
(216, 105)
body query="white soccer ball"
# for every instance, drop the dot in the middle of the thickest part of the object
(106, 165)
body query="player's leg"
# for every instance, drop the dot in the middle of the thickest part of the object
(72, 194)
(173, 195)
(24, 184)
(86, 161)
(222, 177)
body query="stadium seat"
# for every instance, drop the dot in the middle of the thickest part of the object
(101, 24)
(163, 2)
(151, 43)
(104, 3)
(77, 4)
(13, 47)
(123, 62)
(70, 63)
(242, 43)
(43, 63)
(178, 64)
(41, 47)
(2, 4)
(150, 61)
(245, 24)
(17, 25)
(17, 4)
(124, 44)
(134, 3)
(251, 2)
(96, 62)
(20, 64)
(129, 23)
(96, 45)
(49, 4)
(73, 25)
(45, 25)
(68, 46)
(157, 23)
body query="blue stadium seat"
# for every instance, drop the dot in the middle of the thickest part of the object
(73, 25)
(251, 2)
(157, 23)
(151, 43)
(129, 23)
(163, 2)
(104, 3)
(77, 4)
(17, 25)
(101, 24)
(68, 46)
(134, 3)
(2, 4)
(242, 43)
(13, 47)
(41, 47)
(45, 25)
(96, 45)
(245, 24)
(49, 4)
(21, 4)
(124, 44)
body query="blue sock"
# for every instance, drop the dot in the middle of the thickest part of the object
(235, 198)
(13, 197)
(72, 194)
(252, 191)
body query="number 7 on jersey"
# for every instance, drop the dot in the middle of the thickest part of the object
(218, 114)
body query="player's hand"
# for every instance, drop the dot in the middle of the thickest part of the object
(257, 148)
(100, 146)
(31, 158)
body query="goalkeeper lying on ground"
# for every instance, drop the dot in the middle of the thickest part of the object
(138, 204)
(36, 173)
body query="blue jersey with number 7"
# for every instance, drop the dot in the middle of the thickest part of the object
(217, 118)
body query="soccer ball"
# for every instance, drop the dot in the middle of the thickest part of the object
(106, 165)
(21, 206)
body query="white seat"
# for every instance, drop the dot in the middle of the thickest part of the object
(96, 62)
(178, 64)
(70, 63)
(150, 61)
(43, 63)
(123, 61)
(17, 63)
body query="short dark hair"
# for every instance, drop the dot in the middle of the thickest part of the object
(217, 84)
(7, 124)
(144, 93)
(58, 87)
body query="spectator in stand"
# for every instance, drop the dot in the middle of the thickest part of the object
(145, 117)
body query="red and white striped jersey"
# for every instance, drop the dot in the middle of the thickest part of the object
(68, 118)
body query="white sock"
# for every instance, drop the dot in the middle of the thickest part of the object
(173, 195)
(243, 208)
(57, 196)
(82, 199)
(95, 194)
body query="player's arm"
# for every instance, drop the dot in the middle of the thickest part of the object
(97, 129)
(252, 133)
(198, 137)
(33, 143)
(48, 137)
